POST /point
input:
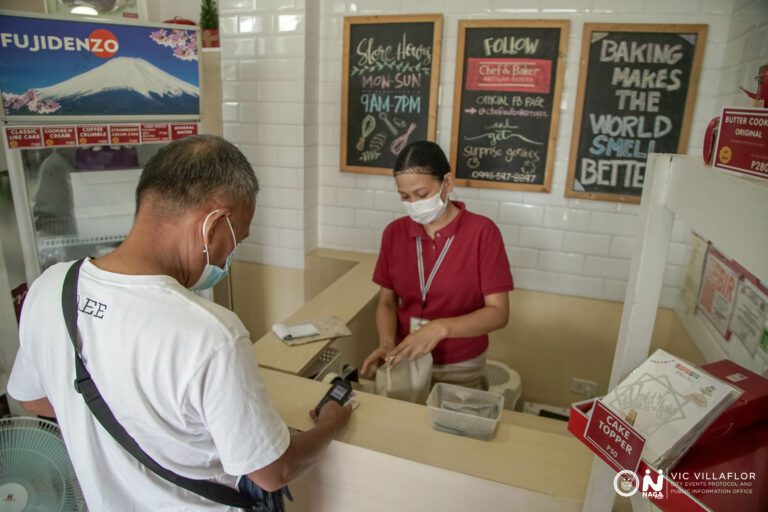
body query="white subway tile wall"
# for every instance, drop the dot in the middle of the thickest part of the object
(269, 70)
(287, 99)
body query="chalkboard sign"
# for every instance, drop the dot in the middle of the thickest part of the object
(389, 95)
(506, 103)
(637, 88)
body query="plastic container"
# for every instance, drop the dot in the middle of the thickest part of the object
(462, 423)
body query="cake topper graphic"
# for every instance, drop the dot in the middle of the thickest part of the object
(651, 394)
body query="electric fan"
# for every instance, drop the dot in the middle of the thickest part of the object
(36, 474)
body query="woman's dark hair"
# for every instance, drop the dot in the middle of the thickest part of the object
(422, 157)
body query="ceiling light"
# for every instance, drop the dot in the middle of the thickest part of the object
(81, 9)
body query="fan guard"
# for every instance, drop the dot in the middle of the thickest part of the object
(36, 474)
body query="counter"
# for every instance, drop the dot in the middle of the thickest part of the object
(344, 298)
(389, 458)
(527, 452)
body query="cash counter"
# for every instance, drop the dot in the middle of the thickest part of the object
(389, 458)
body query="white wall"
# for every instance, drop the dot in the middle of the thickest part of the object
(264, 70)
(570, 246)
(745, 51)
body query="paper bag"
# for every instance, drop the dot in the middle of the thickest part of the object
(408, 381)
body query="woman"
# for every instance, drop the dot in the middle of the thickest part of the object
(444, 276)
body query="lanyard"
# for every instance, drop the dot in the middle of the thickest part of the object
(426, 286)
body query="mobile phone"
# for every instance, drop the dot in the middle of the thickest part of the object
(339, 393)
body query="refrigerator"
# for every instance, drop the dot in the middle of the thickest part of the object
(86, 103)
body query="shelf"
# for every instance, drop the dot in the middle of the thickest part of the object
(746, 452)
(729, 210)
(56, 242)
(726, 209)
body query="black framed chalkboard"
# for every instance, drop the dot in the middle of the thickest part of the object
(390, 77)
(506, 103)
(637, 89)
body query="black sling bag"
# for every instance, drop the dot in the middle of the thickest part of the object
(219, 493)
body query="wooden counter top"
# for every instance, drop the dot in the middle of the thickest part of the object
(527, 452)
(344, 298)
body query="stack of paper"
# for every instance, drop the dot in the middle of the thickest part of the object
(319, 329)
(670, 403)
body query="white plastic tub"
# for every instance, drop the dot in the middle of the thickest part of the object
(462, 423)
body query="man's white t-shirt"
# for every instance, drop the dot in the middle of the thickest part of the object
(177, 371)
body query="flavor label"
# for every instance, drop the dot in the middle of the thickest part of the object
(59, 136)
(24, 137)
(92, 134)
(154, 133)
(125, 134)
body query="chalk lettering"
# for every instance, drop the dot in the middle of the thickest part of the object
(510, 45)
(612, 172)
(627, 77)
(636, 52)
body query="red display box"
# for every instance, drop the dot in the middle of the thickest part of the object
(694, 484)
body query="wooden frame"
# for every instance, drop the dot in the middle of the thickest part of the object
(693, 80)
(431, 114)
(563, 25)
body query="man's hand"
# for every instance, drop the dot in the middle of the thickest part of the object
(332, 414)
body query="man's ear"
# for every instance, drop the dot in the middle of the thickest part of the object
(214, 218)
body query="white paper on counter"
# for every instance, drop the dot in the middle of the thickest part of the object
(288, 333)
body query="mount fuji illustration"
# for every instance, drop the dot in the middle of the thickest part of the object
(123, 86)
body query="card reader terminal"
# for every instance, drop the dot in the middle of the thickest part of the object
(339, 393)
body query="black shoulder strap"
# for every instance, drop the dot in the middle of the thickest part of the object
(87, 388)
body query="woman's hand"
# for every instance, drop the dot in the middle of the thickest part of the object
(419, 343)
(373, 361)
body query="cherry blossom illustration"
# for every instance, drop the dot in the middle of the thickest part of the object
(30, 101)
(183, 43)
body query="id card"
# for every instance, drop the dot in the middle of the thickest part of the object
(417, 323)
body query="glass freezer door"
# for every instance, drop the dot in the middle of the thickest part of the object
(74, 202)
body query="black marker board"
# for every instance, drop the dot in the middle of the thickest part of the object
(637, 89)
(506, 103)
(390, 77)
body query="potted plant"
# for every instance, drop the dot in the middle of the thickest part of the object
(209, 23)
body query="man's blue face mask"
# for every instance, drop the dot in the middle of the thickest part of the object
(211, 273)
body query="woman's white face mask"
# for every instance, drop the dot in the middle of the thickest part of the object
(426, 210)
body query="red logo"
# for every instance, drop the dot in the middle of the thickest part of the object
(103, 43)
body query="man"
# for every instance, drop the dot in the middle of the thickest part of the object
(176, 370)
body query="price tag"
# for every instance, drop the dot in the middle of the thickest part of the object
(125, 134)
(181, 130)
(24, 137)
(742, 141)
(97, 134)
(614, 438)
(59, 136)
(154, 133)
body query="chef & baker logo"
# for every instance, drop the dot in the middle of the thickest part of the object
(101, 42)
(626, 483)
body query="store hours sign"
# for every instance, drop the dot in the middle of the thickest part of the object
(389, 88)
(636, 93)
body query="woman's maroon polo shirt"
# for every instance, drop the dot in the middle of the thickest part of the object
(476, 265)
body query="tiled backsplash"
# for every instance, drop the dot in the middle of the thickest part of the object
(282, 92)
